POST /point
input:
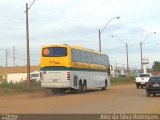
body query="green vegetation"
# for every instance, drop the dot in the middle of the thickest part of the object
(122, 80)
(14, 88)
(11, 88)
(156, 66)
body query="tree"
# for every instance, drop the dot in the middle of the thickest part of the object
(156, 66)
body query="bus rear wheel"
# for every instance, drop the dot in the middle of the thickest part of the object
(104, 88)
(80, 88)
(84, 89)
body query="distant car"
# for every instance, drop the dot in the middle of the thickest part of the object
(153, 86)
(35, 76)
(142, 79)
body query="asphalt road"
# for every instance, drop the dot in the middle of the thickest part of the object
(116, 99)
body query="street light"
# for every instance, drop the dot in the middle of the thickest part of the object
(126, 45)
(141, 42)
(27, 41)
(100, 31)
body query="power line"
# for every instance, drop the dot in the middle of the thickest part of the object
(131, 45)
(10, 54)
(3, 49)
(31, 4)
(19, 58)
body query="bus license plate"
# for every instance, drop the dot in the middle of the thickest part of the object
(156, 85)
(142, 83)
(54, 80)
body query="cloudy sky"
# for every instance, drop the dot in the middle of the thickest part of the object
(76, 22)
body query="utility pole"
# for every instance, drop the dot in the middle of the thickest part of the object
(127, 59)
(14, 56)
(126, 45)
(116, 68)
(27, 40)
(99, 40)
(101, 31)
(141, 56)
(28, 53)
(141, 48)
(6, 58)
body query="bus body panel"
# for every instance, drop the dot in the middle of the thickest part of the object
(67, 71)
(60, 79)
(94, 79)
(56, 61)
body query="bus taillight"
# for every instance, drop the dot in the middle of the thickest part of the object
(68, 75)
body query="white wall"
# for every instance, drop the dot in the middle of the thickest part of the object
(16, 77)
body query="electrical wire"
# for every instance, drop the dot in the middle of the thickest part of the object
(31, 4)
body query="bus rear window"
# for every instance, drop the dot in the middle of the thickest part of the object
(54, 52)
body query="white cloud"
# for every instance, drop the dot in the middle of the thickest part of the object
(77, 22)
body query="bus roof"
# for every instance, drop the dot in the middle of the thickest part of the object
(72, 47)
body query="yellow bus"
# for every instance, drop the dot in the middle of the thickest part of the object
(73, 67)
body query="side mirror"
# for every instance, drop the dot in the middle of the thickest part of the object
(111, 68)
(108, 71)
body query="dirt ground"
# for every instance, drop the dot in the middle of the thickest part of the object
(117, 99)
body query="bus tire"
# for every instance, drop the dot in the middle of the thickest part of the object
(80, 87)
(104, 88)
(141, 86)
(84, 87)
(154, 94)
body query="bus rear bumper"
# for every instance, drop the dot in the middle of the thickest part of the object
(56, 85)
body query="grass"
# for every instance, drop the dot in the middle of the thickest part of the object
(122, 80)
(12, 88)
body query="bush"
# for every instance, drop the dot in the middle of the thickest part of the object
(19, 86)
(122, 79)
